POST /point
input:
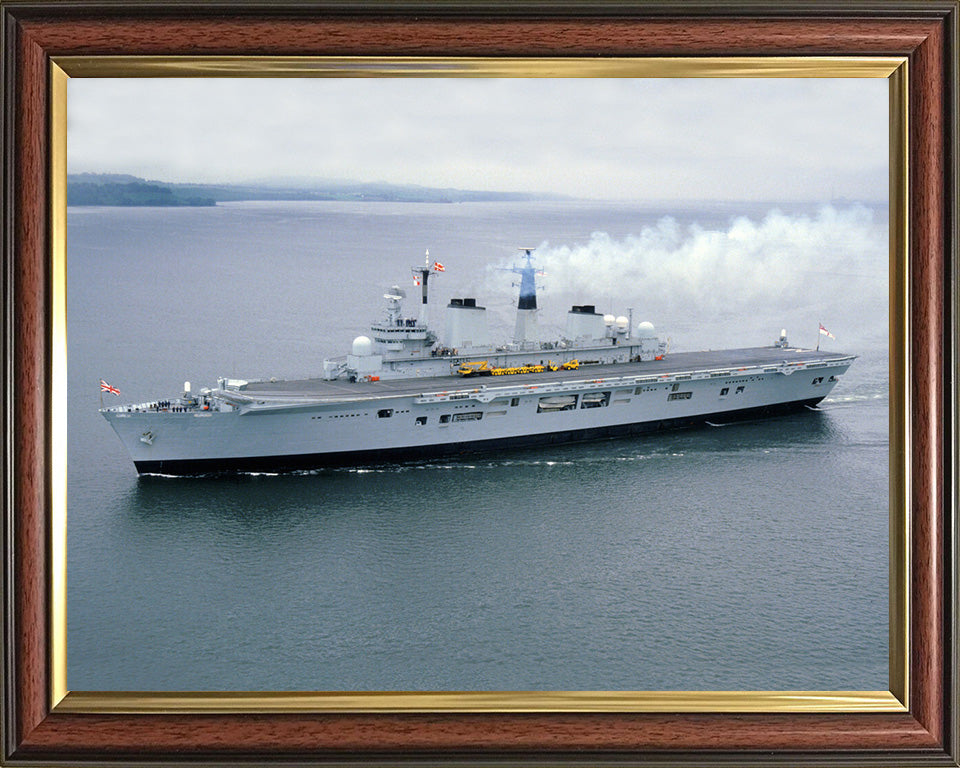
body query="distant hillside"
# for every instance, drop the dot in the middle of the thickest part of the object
(123, 189)
(89, 189)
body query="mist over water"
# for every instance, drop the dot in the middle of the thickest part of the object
(742, 556)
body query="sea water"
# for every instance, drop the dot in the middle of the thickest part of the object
(736, 557)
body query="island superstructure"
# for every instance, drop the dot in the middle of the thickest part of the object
(407, 391)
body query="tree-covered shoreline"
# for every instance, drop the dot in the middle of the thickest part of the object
(127, 190)
(130, 194)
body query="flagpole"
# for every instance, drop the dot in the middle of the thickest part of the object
(818, 335)
(101, 395)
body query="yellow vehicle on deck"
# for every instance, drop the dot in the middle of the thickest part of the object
(482, 368)
(519, 369)
(478, 368)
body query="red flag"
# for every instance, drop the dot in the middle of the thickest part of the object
(438, 267)
(825, 332)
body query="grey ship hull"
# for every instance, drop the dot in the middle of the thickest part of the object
(278, 426)
(292, 462)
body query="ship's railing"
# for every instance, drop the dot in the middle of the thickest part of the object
(202, 404)
(151, 407)
(401, 322)
(131, 408)
(388, 329)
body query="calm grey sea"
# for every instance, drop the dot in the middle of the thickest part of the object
(748, 556)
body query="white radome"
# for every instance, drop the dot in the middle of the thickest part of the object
(645, 330)
(362, 346)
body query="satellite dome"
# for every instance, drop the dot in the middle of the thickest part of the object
(622, 323)
(362, 346)
(609, 320)
(645, 330)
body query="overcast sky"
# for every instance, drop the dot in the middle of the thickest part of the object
(644, 139)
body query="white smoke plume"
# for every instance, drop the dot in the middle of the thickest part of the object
(830, 267)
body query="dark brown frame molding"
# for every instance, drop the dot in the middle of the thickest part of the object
(925, 32)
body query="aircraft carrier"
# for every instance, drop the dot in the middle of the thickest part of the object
(407, 391)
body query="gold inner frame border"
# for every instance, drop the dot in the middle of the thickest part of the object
(894, 69)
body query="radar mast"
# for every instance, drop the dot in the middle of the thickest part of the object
(421, 275)
(526, 333)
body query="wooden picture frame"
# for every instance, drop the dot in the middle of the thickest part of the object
(38, 729)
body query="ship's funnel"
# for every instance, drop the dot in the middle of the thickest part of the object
(466, 325)
(584, 323)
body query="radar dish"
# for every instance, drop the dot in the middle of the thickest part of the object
(396, 293)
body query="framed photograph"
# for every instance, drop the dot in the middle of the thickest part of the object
(794, 601)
